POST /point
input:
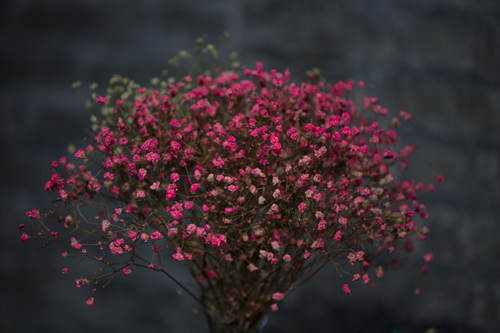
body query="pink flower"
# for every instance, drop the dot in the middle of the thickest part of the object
(274, 307)
(172, 232)
(80, 153)
(126, 270)
(287, 258)
(338, 236)
(174, 177)
(34, 214)
(428, 257)
(24, 237)
(218, 162)
(171, 191)
(142, 173)
(277, 296)
(405, 115)
(155, 186)
(321, 225)
(252, 267)
(178, 256)
(346, 288)
(155, 235)
(75, 244)
(90, 301)
(194, 187)
(132, 235)
(64, 270)
(175, 146)
(101, 100)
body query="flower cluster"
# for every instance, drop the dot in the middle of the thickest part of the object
(253, 181)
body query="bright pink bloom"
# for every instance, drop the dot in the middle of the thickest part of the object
(174, 177)
(155, 235)
(75, 244)
(142, 173)
(34, 214)
(90, 301)
(101, 100)
(346, 288)
(24, 237)
(126, 270)
(80, 153)
(194, 187)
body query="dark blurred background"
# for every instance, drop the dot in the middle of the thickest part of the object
(437, 59)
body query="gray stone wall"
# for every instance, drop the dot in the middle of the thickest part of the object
(438, 59)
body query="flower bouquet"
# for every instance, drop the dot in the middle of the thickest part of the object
(252, 181)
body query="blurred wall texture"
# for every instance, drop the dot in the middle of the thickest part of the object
(437, 59)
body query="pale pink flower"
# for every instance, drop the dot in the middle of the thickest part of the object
(277, 296)
(252, 267)
(428, 257)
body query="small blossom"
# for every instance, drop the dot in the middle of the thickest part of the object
(34, 214)
(126, 271)
(90, 301)
(80, 153)
(194, 187)
(428, 257)
(75, 244)
(338, 236)
(142, 173)
(178, 256)
(252, 267)
(101, 100)
(346, 288)
(277, 296)
(24, 237)
(155, 235)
